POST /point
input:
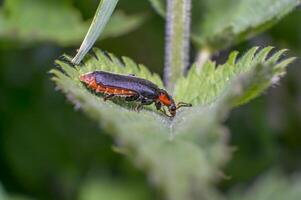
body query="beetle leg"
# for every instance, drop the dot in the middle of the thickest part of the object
(158, 105)
(144, 102)
(165, 113)
(147, 101)
(108, 96)
(138, 107)
(132, 98)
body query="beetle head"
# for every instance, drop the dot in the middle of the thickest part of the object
(168, 101)
(172, 109)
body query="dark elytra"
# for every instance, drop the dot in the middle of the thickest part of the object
(144, 87)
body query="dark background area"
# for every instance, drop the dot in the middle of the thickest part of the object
(48, 149)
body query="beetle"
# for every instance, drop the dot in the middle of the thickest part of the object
(131, 88)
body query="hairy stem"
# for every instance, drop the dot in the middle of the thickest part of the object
(177, 40)
(101, 18)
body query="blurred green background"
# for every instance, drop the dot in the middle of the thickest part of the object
(49, 150)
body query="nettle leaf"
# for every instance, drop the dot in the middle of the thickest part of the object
(151, 140)
(205, 86)
(273, 185)
(102, 188)
(38, 21)
(182, 156)
(219, 23)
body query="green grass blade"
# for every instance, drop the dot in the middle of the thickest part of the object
(101, 18)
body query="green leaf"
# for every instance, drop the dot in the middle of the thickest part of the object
(104, 189)
(55, 21)
(122, 23)
(5, 196)
(159, 6)
(101, 18)
(219, 23)
(183, 156)
(153, 142)
(273, 185)
(208, 85)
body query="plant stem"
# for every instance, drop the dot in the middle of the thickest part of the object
(177, 40)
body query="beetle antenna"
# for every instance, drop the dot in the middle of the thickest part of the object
(182, 104)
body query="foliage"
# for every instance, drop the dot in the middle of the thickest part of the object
(47, 151)
(157, 144)
(102, 189)
(219, 24)
(5, 196)
(273, 185)
(101, 18)
(25, 21)
(202, 87)
(128, 128)
(226, 22)
(159, 6)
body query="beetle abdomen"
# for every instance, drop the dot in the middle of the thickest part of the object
(115, 91)
(100, 88)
